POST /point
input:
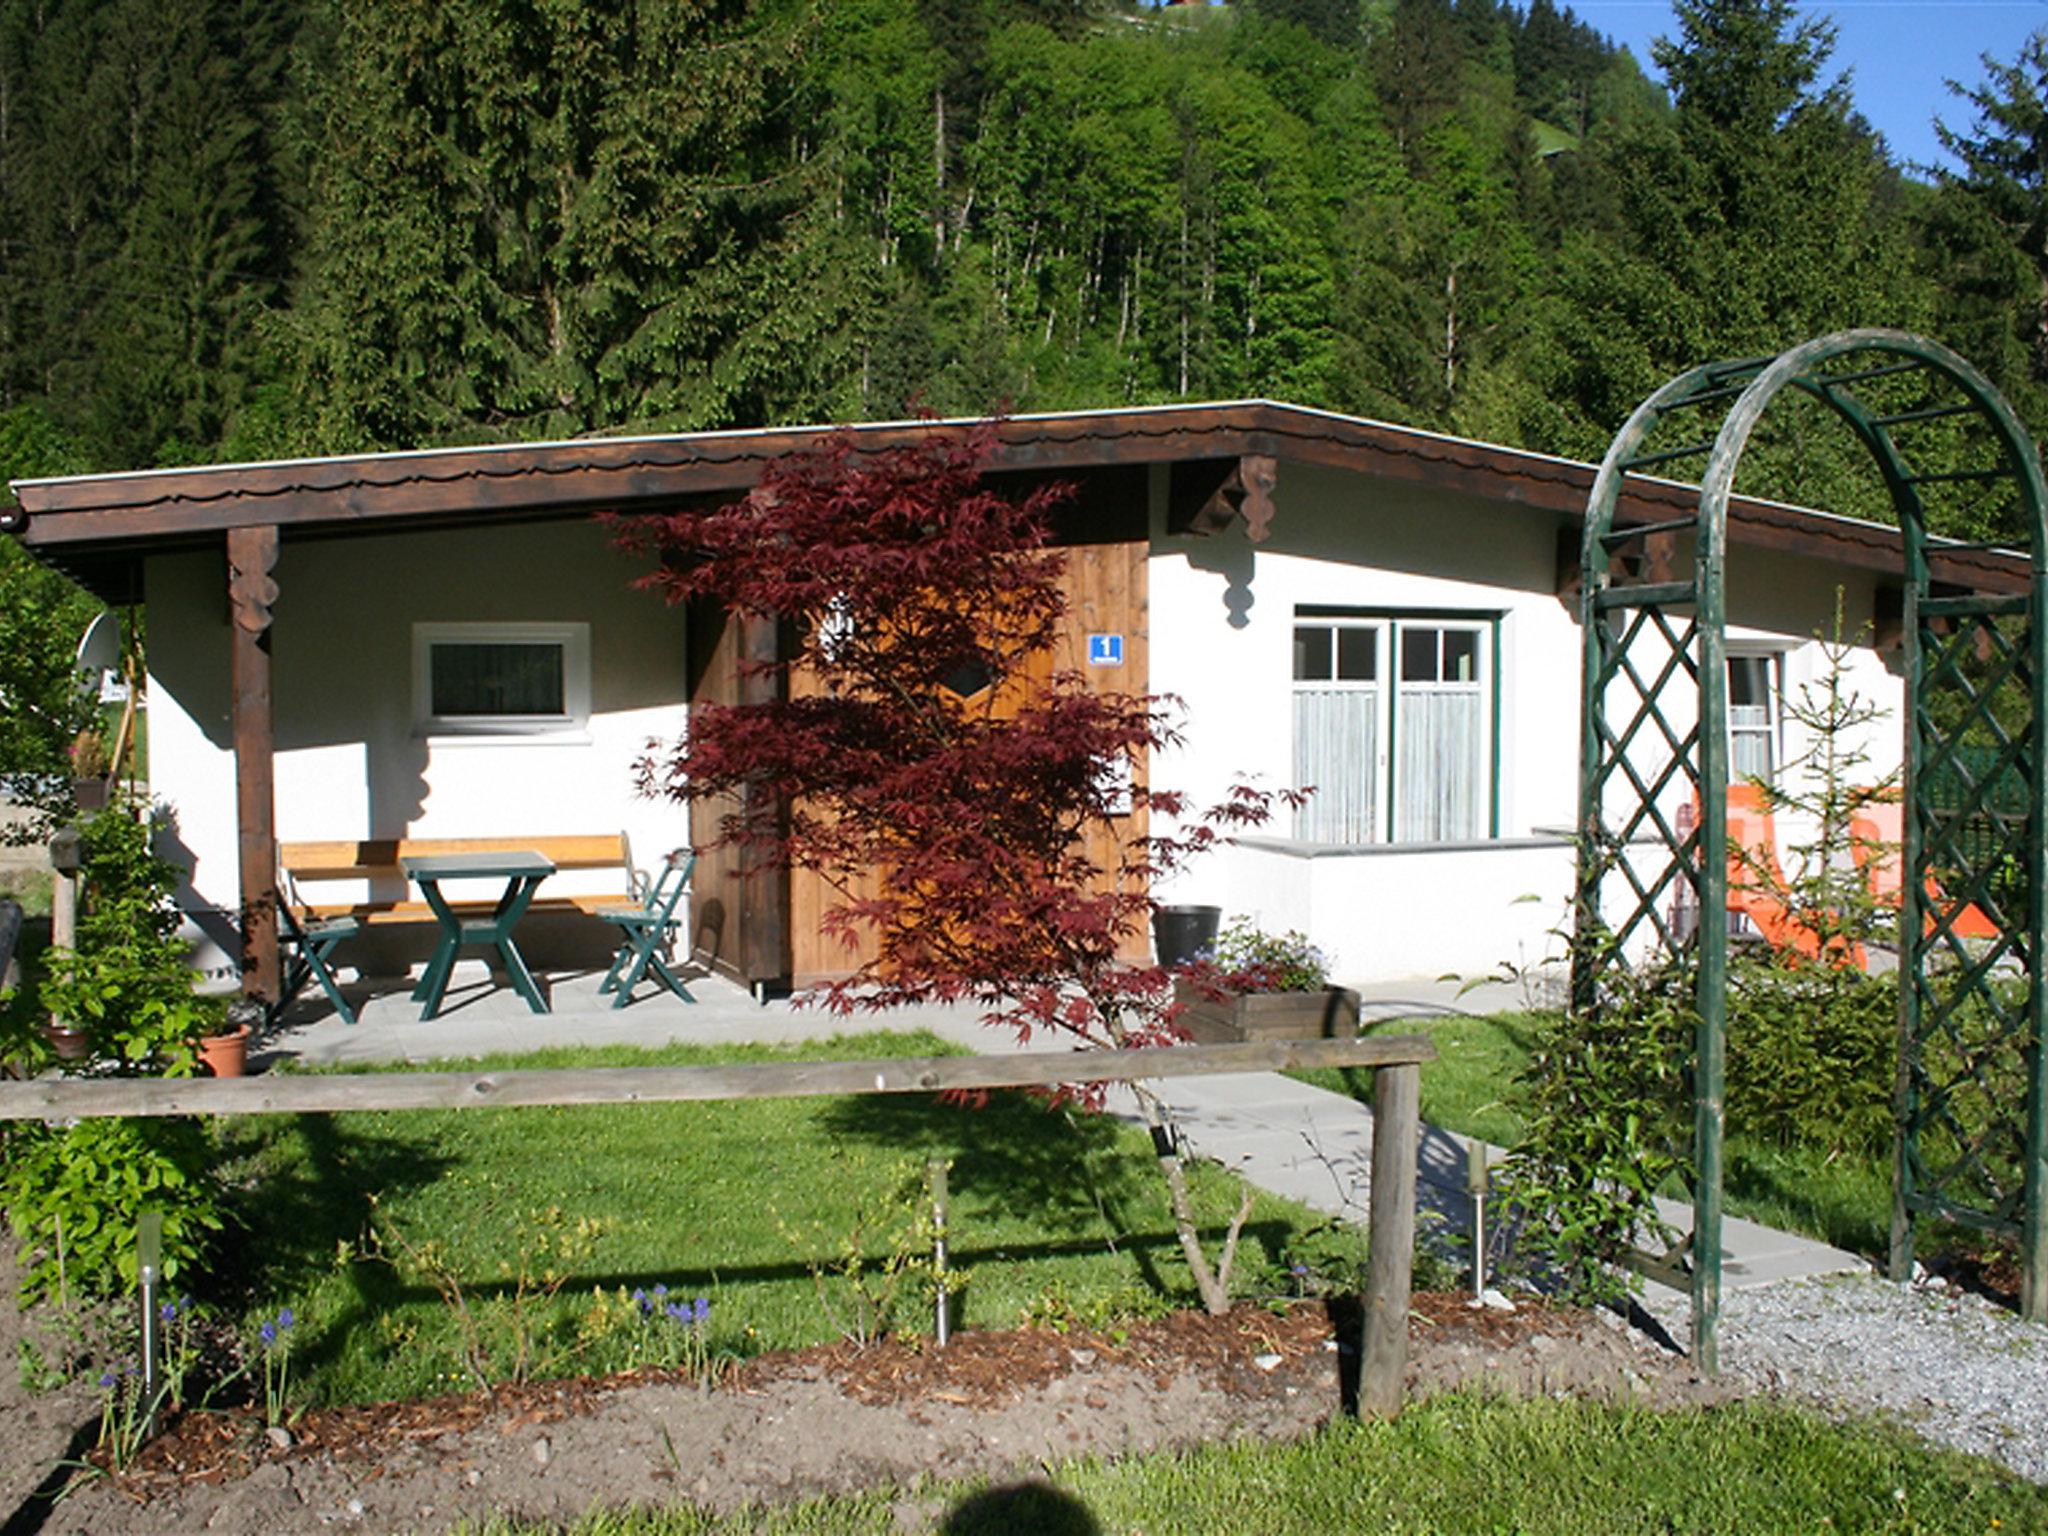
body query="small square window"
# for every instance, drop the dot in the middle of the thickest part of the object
(500, 679)
(1358, 654)
(1311, 654)
(1461, 656)
(497, 678)
(1418, 655)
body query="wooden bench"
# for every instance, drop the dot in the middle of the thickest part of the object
(377, 859)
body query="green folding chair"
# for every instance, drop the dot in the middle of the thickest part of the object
(646, 930)
(306, 943)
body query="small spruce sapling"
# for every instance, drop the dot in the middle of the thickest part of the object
(967, 802)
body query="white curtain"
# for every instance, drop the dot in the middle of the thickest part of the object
(1440, 779)
(1336, 734)
(1749, 742)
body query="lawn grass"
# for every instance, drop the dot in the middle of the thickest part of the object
(1462, 1464)
(537, 1224)
(1839, 1198)
(30, 887)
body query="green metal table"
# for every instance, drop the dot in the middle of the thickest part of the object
(522, 872)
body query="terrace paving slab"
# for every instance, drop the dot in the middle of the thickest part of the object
(1284, 1136)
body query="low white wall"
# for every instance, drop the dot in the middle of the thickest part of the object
(1389, 912)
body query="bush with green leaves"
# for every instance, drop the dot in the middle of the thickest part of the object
(1607, 1103)
(1249, 959)
(1812, 1054)
(74, 1194)
(128, 983)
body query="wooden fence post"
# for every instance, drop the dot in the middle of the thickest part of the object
(1396, 1131)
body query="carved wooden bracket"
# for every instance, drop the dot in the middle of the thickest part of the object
(1240, 488)
(1651, 558)
(252, 556)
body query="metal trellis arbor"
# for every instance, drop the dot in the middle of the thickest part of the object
(1654, 746)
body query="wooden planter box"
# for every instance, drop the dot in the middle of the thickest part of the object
(1331, 1014)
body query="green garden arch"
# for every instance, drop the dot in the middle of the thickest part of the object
(1654, 739)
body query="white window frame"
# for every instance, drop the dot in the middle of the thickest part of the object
(1390, 626)
(1773, 729)
(574, 640)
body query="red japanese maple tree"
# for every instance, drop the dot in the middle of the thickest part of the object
(921, 754)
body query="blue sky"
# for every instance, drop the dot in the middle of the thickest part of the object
(1899, 54)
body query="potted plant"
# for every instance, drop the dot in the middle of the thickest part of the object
(122, 999)
(91, 762)
(224, 1050)
(1263, 986)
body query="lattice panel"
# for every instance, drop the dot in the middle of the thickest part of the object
(1969, 1035)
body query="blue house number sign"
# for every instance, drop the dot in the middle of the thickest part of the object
(1105, 650)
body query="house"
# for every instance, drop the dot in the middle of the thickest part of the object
(444, 643)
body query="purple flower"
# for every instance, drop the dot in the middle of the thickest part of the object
(285, 1318)
(702, 1311)
(660, 1291)
(646, 1307)
(680, 1311)
(168, 1311)
(268, 1334)
(106, 1378)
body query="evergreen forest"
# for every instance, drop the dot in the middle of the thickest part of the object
(240, 229)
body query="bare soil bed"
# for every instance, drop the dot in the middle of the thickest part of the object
(991, 1405)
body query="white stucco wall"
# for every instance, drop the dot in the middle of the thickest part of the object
(350, 762)
(1222, 613)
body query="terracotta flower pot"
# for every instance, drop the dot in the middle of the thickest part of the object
(225, 1055)
(69, 1044)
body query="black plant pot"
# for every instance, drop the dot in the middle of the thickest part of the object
(1181, 935)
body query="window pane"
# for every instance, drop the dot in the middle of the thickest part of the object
(1750, 751)
(1311, 654)
(1358, 655)
(1752, 728)
(497, 678)
(1418, 655)
(1749, 680)
(1440, 779)
(1335, 745)
(1461, 656)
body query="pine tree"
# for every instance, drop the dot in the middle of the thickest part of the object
(536, 222)
(1986, 233)
(1754, 218)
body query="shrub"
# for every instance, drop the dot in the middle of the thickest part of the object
(1812, 1054)
(1607, 1103)
(1248, 959)
(75, 1193)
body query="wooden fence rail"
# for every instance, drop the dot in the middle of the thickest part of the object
(1396, 1128)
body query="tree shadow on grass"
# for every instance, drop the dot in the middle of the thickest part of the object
(294, 1214)
(1017, 1155)
(1061, 1168)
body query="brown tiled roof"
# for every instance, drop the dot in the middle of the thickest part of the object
(81, 521)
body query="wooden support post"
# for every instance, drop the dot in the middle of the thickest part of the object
(1396, 1134)
(252, 554)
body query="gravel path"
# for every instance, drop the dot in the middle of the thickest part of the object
(1947, 1364)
